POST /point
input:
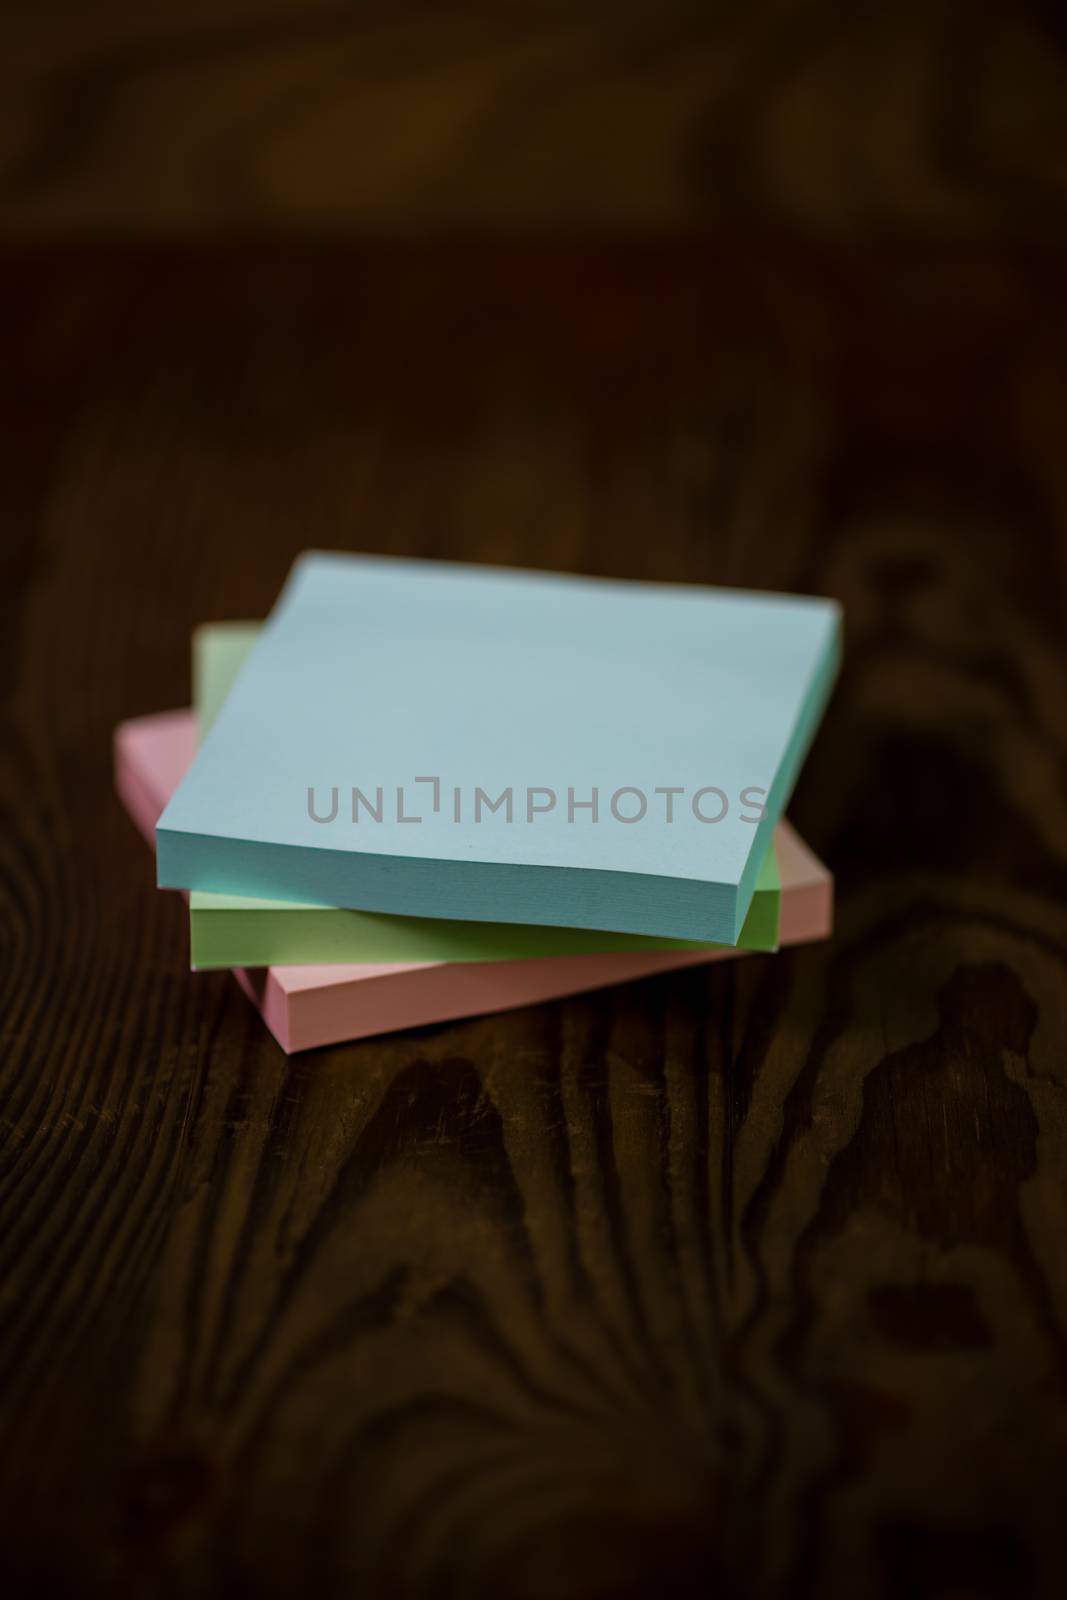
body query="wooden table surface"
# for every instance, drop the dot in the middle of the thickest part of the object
(749, 1281)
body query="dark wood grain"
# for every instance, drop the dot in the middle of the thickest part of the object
(749, 1281)
(929, 118)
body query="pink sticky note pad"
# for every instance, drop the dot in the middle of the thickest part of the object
(305, 1007)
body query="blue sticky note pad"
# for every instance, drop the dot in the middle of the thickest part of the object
(453, 741)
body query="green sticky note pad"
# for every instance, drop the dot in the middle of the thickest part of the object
(238, 931)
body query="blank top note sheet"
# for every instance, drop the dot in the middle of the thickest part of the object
(467, 742)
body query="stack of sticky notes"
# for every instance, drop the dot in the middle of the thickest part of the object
(422, 791)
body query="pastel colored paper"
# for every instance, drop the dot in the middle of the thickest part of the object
(413, 687)
(220, 650)
(306, 1007)
(232, 931)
